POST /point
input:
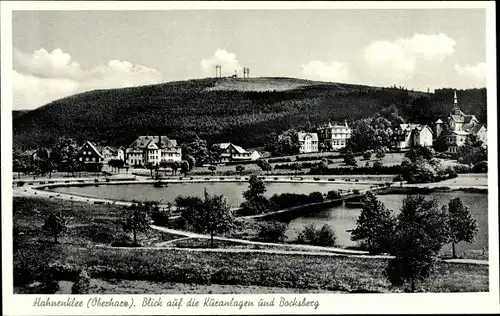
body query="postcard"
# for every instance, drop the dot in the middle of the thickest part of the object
(215, 158)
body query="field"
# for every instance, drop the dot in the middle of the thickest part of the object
(118, 270)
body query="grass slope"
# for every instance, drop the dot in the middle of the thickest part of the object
(92, 224)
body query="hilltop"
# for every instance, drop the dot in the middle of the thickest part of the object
(247, 111)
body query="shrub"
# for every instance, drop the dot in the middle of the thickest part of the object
(367, 155)
(82, 283)
(481, 167)
(333, 195)
(380, 154)
(377, 165)
(160, 217)
(316, 197)
(355, 191)
(272, 231)
(318, 237)
(272, 160)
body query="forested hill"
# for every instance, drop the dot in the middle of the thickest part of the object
(247, 112)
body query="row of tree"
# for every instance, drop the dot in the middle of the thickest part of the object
(415, 236)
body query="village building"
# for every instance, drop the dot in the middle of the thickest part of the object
(409, 135)
(308, 142)
(90, 156)
(231, 152)
(153, 150)
(113, 153)
(461, 127)
(334, 136)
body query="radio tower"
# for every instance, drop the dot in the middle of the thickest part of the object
(218, 71)
(246, 72)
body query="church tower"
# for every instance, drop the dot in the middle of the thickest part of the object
(455, 110)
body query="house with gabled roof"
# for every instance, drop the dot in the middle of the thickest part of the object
(231, 152)
(406, 136)
(90, 156)
(153, 150)
(308, 142)
(334, 136)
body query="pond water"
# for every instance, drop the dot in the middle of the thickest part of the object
(342, 218)
(233, 191)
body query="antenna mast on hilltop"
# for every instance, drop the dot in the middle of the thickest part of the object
(218, 71)
(246, 72)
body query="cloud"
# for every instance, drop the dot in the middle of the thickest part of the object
(224, 58)
(319, 70)
(399, 59)
(46, 76)
(477, 73)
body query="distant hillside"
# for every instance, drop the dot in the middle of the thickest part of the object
(17, 113)
(248, 112)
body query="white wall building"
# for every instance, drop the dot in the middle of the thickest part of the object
(308, 142)
(334, 136)
(153, 149)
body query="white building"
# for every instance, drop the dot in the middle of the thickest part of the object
(308, 142)
(410, 135)
(461, 127)
(232, 152)
(334, 136)
(112, 153)
(153, 149)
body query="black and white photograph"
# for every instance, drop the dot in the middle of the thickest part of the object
(231, 151)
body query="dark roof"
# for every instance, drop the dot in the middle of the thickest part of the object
(476, 128)
(144, 141)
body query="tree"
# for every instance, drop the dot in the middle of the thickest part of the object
(272, 231)
(374, 225)
(212, 168)
(286, 143)
(240, 169)
(55, 225)
(419, 152)
(462, 226)
(198, 149)
(136, 218)
(82, 283)
(367, 155)
(333, 195)
(175, 166)
(296, 167)
(191, 161)
(264, 165)
(213, 216)
(418, 237)
(215, 153)
(116, 164)
(319, 237)
(256, 202)
(256, 188)
(184, 167)
(349, 159)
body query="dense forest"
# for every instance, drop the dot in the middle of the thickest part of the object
(186, 109)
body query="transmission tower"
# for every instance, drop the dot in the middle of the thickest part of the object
(218, 71)
(246, 72)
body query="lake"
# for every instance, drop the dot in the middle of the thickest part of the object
(342, 218)
(233, 191)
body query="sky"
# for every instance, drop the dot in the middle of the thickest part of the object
(61, 53)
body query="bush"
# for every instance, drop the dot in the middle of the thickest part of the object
(272, 160)
(82, 283)
(377, 165)
(272, 231)
(481, 167)
(316, 197)
(380, 154)
(333, 195)
(160, 217)
(318, 237)
(355, 191)
(367, 155)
